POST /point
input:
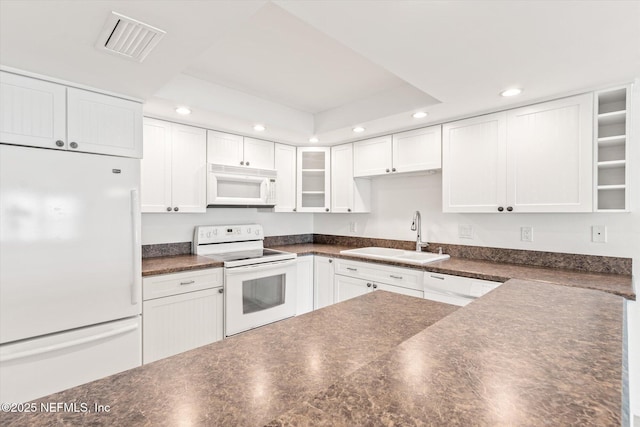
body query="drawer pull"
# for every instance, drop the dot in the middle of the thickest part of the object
(437, 277)
(190, 282)
(393, 276)
(352, 269)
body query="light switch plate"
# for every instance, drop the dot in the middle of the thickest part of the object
(599, 233)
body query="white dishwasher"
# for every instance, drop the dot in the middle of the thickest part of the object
(455, 290)
(181, 311)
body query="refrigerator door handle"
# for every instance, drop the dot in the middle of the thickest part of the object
(137, 247)
(68, 344)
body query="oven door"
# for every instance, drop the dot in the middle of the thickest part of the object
(259, 294)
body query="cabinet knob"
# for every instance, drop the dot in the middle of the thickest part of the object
(330, 261)
(73, 145)
(368, 285)
(500, 208)
(387, 170)
(393, 169)
(176, 209)
(375, 286)
(326, 209)
(242, 163)
(509, 208)
(348, 209)
(169, 209)
(220, 290)
(247, 163)
(294, 209)
(60, 143)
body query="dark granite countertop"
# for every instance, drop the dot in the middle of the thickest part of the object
(527, 353)
(176, 263)
(617, 284)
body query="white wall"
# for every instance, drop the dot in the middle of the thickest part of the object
(171, 228)
(396, 198)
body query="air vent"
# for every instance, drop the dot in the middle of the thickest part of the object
(128, 38)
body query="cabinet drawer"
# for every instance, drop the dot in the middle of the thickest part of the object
(405, 277)
(458, 286)
(180, 283)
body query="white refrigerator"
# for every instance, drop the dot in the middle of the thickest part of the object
(70, 260)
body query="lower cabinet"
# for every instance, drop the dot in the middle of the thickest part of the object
(304, 284)
(180, 312)
(323, 282)
(354, 278)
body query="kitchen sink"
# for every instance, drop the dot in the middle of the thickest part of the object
(400, 255)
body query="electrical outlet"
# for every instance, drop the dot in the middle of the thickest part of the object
(526, 234)
(599, 233)
(353, 227)
(465, 231)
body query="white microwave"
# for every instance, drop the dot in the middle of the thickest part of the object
(240, 186)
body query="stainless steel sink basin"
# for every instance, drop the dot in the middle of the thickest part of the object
(400, 255)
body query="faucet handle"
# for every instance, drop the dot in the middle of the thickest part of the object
(439, 250)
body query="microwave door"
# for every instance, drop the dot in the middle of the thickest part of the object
(225, 189)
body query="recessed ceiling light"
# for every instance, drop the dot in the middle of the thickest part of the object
(419, 115)
(511, 92)
(183, 110)
(313, 139)
(259, 128)
(358, 129)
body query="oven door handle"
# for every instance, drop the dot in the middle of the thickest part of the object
(259, 267)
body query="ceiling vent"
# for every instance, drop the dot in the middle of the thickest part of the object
(128, 38)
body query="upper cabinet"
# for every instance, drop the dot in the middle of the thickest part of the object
(42, 114)
(347, 194)
(173, 170)
(531, 159)
(234, 150)
(314, 179)
(285, 165)
(412, 151)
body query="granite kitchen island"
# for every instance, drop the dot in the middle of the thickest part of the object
(528, 353)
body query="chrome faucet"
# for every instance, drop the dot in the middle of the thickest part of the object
(417, 226)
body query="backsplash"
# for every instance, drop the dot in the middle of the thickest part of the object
(587, 263)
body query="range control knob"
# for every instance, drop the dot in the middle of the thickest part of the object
(209, 234)
(215, 231)
(248, 230)
(257, 232)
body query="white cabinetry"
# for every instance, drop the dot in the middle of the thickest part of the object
(353, 278)
(612, 170)
(173, 171)
(314, 179)
(38, 113)
(323, 282)
(454, 289)
(304, 284)
(347, 194)
(285, 165)
(412, 151)
(234, 150)
(180, 312)
(531, 159)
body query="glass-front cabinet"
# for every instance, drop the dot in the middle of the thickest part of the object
(314, 179)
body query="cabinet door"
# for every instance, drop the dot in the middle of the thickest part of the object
(189, 169)
(179, 323)
(155, 168)
(285, 165)
(103, 124)
(323, 282)
(314, 179)
(350, 287)
(258, 154)
(417, 150)
(304, 284)
(372, 157)
(399, 290)
(550, 156)
(342, 178)
(224, 148)
(32, 112)
(474, 164)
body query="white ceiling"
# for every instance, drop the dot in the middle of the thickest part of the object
(307, 68)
